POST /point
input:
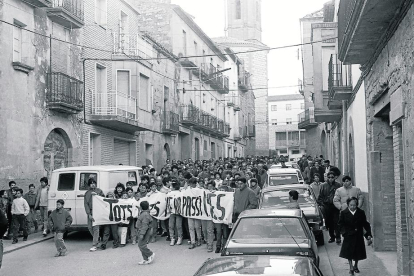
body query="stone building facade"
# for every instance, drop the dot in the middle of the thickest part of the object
(244, 34)
(41, 89)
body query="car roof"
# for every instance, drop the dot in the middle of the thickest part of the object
(285, 187)
(251, 265)
(282, 170)
(271, 213)
(107, 168)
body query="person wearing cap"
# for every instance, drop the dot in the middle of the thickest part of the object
(87, 201)
(59, 222)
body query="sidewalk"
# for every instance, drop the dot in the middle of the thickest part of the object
(31, 240)
(376, 264)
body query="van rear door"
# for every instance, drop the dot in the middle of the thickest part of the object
(65, 190)
(81, 188)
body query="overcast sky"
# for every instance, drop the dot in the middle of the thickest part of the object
(280, 27)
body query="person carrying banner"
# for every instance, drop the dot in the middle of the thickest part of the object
(176, 220)
(94, 230)
(207, 226)
(194, 225)
(143, 225)
(110, 229)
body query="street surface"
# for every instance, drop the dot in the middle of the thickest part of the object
(176, 260)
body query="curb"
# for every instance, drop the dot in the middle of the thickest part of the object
(27, 245)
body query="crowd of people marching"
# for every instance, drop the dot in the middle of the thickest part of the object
(20, 212)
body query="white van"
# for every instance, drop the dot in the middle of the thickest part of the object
(71, 184)
(284, 176)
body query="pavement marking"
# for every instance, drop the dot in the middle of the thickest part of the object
(26, 245)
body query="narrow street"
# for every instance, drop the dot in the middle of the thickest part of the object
(174, 261)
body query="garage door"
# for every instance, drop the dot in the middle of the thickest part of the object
(121, 152)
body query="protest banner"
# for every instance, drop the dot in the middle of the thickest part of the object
(191, 203)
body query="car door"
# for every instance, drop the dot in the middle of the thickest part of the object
(80, 190)
(65, 190)
(313, 239)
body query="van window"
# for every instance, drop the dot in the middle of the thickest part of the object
(66, 182)
(83, 182)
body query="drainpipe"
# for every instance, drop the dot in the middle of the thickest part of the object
(345, 150)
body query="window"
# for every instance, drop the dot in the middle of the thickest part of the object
(295, 151)
(145, 99)
(238, 9)
(273, 107)
(123, 86)
(288, 121)
(101, 12)
(274, 122)
(302, 106)
(205, 144)
(66, 182)
(17, 44)
(184, 43)
(281, 136)
(84, 178)
(283, 151)
(288, 107)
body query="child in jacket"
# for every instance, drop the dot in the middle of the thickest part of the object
(144, 232)
(59, 222)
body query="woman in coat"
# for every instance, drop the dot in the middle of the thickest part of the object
(352, 222)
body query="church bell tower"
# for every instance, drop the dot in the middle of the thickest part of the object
(244, 19)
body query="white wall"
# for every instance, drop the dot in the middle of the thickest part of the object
(357, 112)
(281, 114)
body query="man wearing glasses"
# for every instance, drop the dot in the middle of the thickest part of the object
(330, 212)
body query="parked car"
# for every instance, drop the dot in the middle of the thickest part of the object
(259, 265)
(71, 184)
(272, 232)
(284, 176)
(278, 197)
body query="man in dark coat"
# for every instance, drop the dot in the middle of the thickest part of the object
(319, 170)
(352, 222)
(330, 212)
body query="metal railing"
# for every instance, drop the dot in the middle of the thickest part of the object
(75, 7)
(190, 113)
(220, 125)
(114, 103)
(227, 128)
(340, 75)
(308, 116)
(171, 122)
(128, 44)
(66, 90)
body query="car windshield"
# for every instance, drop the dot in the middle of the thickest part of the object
(283, 179)
(268, 229)
(281, 198)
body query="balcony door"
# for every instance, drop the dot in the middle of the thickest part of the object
(123, 33)
(124, 102)
(101, 103)
(197, 149)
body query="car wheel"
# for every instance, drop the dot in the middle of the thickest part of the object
(320, 239)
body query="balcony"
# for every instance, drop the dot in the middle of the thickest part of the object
(290, 144)
(68, 13)
(170, 123)
(39, 3)
(307, 119)
(190, 115)
(339, 80)
(65, 93)
(227, 129)
(128, 45)
(362, 24)
(217, 81)
(244, 80)
(118, 111)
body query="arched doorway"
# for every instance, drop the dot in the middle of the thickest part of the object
(56, 150)
(323, 144)
(166, 153)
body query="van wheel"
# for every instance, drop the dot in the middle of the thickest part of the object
(320, 239)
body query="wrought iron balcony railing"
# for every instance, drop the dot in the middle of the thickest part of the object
(65, 93)
(170, 122)
(114, 103)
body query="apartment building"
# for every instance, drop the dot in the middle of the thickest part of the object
(285, 138)
(203, 81)
(40, 87)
